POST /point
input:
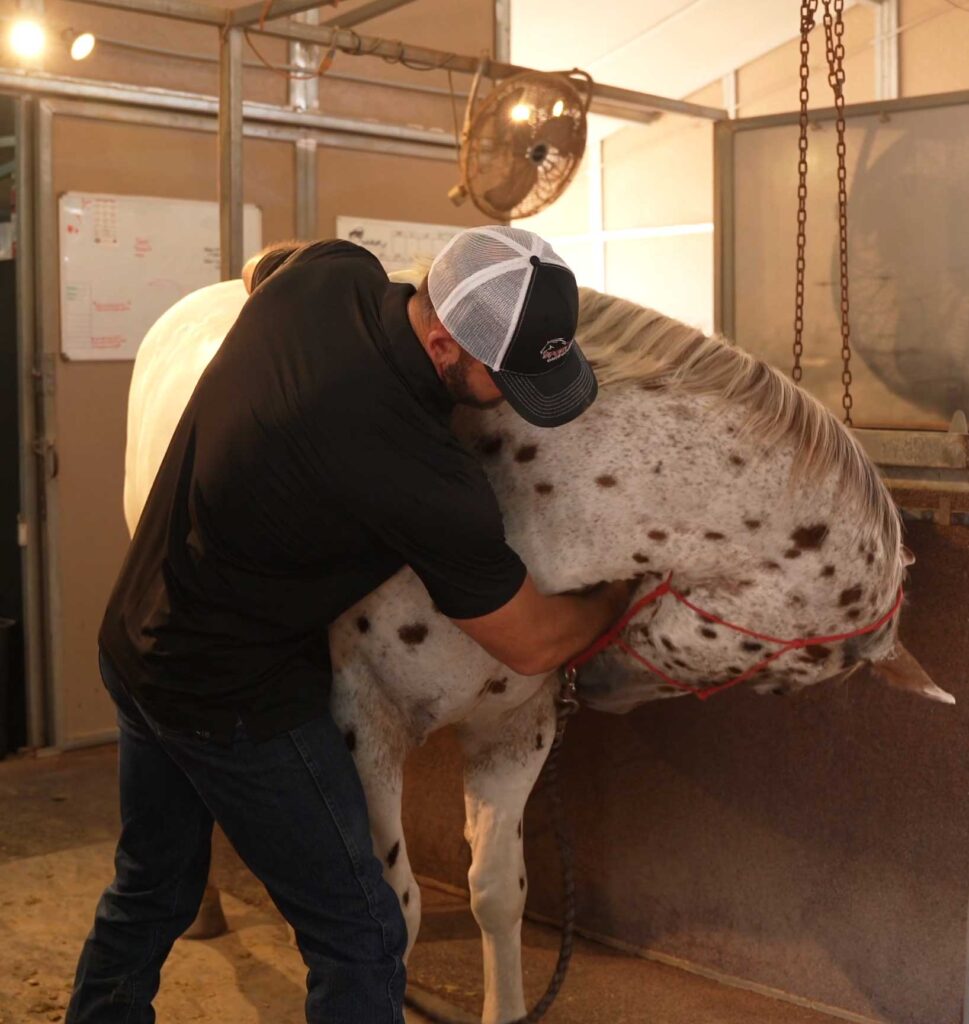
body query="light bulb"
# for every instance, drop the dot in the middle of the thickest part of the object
(82, 46)
(558, 108)
(521, 112)
(27, 38)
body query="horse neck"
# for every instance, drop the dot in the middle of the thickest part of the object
(577, 498)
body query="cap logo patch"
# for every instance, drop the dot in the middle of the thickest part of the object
(555, 349)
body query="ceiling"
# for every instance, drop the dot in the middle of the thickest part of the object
(668, 47)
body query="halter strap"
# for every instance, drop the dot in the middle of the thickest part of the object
(613, 637)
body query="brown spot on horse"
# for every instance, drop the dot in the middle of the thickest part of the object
(606, 480)
(792, 553)
(638, 556)
(363, 624)
(544, 488)
(850, 596)
(497, 685)
(657, 535)
(810, 538)
(828, 570)
(416, 633)
(714, 535)
(526, 453)
(817, 652)
(752, 524)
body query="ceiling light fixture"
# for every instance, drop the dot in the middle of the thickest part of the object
(27, 38)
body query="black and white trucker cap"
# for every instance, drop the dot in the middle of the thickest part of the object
(508, 300)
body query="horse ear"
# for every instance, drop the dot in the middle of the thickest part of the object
(903, 672)
(907, 557)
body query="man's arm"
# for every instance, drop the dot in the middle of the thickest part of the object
(533, 633)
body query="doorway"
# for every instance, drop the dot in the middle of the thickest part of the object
(12, 685)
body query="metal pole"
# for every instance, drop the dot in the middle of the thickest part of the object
(304, 91)
(502, 47)
(251, 14)
(230, 153)
(306, 203)
(886, 50)
(606, 99)
(29, 528)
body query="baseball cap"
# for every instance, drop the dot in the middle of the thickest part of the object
(510, 301)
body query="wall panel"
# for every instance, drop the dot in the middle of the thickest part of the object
(91, 398)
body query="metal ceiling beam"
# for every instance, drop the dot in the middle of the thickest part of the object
(252, 14)
(333, 131)
(365, 12)
(606, 99)
(181, 10)
(609, 100)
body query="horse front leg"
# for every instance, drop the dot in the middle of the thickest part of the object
(504, 757)
(379, 743)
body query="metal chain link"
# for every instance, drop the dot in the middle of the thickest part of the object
(834, 41)
(833, 19)
(808, 10)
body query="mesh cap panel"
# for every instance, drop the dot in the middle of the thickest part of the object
(479, 282)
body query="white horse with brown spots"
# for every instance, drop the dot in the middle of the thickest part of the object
(696, 460)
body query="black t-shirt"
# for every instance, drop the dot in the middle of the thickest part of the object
(312, 462)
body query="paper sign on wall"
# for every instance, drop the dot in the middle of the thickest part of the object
(126, 259)
(398, 244)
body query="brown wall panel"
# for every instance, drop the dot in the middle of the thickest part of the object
(91, 398)
(392, 187)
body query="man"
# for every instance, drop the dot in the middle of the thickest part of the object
(312, 462)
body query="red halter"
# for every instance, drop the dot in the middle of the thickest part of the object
(666, 587)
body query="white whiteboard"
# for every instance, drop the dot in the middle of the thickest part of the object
(398, 244)
(126, 259)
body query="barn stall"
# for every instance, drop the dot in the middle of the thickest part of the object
(784, 860)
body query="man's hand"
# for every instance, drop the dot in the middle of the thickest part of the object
(533, 633)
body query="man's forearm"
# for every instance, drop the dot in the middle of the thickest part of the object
(575, 621)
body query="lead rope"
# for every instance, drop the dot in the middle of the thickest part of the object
(567, 704)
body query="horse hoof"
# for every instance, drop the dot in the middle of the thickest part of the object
(210, 921)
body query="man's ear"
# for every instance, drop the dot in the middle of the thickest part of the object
(441, 347)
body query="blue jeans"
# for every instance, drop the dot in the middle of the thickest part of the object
(294, 809)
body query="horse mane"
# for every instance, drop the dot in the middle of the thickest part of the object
(626, 342)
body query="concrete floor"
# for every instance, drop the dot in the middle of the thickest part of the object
(58, 824)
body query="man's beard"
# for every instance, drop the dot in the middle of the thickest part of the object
(455, 379)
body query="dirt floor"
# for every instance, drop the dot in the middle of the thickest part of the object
(58, 824)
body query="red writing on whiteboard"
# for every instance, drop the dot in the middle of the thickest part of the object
(142, 246)
(113, 307)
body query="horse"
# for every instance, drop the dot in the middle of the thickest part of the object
(700, 469)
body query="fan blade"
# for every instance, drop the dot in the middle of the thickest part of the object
(560, 133)
(507, 195)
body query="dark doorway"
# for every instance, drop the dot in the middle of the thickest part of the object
(12, 710)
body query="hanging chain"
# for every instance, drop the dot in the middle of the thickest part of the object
(834, 39)
(833, 19)
(808, 9)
